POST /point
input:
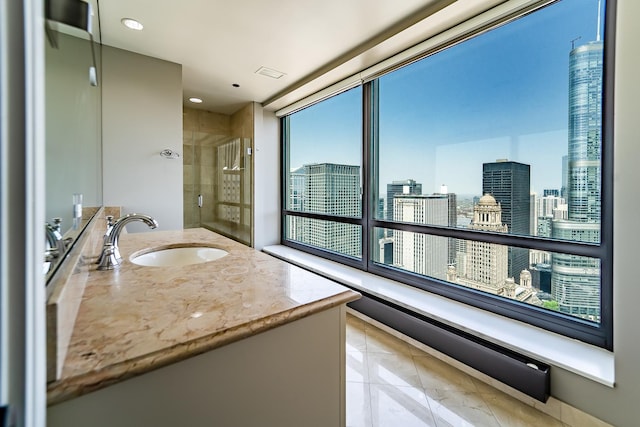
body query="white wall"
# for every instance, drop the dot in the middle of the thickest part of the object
(142, 115)
(266, 178)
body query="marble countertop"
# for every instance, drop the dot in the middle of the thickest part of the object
(136, 319)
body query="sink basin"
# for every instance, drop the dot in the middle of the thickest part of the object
(178, 256)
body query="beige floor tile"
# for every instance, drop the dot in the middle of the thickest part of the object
(357, 369)
(435, 374)
(513, 413)
(399, 406)
(499, 389)
(485, 388)
(354, 322)
(356, 339)
(392, 369)
(452, 408)
(392, 383)
(415, 351)
(358, 405)
(577, 418)
(379, 341)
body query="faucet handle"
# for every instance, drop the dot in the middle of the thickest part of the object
(57, 223)
(108, 259)
(110, 223)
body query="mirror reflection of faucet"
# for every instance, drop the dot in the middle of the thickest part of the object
(56, 245)
(110, 257)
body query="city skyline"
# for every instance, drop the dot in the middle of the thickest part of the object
(531, 128)
(518, 145)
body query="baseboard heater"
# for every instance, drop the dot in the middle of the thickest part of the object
(516, 370)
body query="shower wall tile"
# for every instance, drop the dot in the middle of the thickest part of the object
(189, 119)
(213, 122)
(207, 175)
(207, 211)
(242, 122)
(187, 173)
(206, 156)
(188, 197)
(187, 154)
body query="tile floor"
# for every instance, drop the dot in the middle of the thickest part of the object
(392, 383)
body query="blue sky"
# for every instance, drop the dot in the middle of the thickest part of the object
(500, 95)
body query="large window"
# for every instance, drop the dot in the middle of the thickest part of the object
(485, 171)
(323, 175)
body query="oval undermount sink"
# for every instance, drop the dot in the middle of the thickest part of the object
(178, 256)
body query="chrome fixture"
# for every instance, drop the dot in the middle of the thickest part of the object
(56, 245)
(168, 153)
(110, 257)
(105, 238)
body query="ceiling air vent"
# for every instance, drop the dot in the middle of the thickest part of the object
(269, 72)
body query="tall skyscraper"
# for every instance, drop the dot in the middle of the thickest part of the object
(509, 183)
(533, 216)
(297, 184)
(547, 204)
(547, 208)
(575, 281)
(332, 189)
(487, 263)
(421, 253)
(585, 127)
(565, 177)
(407, 186)
(452, 221)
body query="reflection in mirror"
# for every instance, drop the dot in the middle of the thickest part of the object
(73, 127)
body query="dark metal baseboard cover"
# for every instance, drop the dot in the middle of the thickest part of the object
(4, 416)
(500, 363)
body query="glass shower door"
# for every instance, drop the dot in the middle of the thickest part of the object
(232, 197)
(218, 172)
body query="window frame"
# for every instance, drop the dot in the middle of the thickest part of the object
(596, 334)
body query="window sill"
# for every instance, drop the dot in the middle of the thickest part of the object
(569, 354)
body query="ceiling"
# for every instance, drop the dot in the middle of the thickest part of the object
(313, 42)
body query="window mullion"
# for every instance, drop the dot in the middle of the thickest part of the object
(370, 167)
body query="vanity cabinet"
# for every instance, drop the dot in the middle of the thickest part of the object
(291, 375)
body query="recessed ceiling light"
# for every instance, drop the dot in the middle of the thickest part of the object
(196, 100)
(132, 23)
(270, 72)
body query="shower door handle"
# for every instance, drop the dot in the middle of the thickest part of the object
(199, 200)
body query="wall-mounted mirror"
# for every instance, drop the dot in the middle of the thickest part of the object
(73, 122)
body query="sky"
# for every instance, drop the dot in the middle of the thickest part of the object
(501, 95)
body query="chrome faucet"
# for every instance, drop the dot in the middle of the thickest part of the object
(55, 242)
(110, 257)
